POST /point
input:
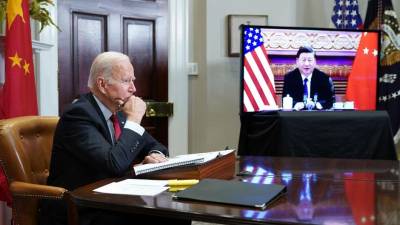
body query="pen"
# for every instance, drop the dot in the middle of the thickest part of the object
(188, 182)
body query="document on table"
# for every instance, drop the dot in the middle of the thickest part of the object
(135, 187)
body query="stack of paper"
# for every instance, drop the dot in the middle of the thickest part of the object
(145, 187)
(134, 187)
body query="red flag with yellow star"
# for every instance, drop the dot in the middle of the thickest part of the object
(361, 85)
(19, 91)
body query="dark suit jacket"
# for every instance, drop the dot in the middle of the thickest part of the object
(83, 151)
(321, 84)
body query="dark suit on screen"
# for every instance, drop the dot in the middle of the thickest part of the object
(83, 152)
(321, 84)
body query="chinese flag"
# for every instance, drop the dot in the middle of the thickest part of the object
(5, 194)
(361, 85)
(19, 92)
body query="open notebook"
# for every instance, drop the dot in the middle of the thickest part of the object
(181, 160)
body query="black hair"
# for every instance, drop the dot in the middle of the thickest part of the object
(304, 49)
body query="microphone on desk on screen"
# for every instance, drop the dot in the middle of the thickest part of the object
(316, 97)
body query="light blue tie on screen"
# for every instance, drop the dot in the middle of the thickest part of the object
(305, 90)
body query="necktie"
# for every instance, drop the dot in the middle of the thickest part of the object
(305, 89)
(117, 128)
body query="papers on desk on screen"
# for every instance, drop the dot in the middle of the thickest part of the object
(181, 160)
(135, 187)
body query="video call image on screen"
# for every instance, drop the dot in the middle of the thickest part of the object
(344, 71)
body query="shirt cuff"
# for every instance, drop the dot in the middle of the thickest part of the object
(155, 151)
(134, 127)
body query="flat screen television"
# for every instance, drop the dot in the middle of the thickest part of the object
(349, 58)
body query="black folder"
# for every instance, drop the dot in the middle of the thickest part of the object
(233, 192)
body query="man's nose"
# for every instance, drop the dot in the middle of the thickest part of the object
(132, 88)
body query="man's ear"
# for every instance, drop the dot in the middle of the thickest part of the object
(101, 84)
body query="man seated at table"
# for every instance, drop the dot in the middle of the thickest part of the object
(309, 87)
(99, 136)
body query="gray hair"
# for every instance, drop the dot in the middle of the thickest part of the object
(102, 65)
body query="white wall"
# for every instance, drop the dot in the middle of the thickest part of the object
(47, 81)
(177, 79)
(314, 13)
(197, 84)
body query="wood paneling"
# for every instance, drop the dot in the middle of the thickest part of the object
(89, 39)
(139, 40)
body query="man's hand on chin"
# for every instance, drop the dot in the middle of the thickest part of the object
(134, 108)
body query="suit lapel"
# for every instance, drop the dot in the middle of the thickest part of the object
(300, 88)
(314, 82)
(104, 127)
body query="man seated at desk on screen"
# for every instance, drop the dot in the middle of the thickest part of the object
(99, 136)
(309, 87)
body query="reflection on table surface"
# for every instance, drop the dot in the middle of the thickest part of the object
(314, 201)
(328, 191)
(355, 193)
(323, 168)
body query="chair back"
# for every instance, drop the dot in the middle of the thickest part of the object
(25, 152)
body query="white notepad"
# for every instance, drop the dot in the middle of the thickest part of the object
(134, 187)
(181, 160)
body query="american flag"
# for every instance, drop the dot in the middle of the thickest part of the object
(259, 87)
(345, 15)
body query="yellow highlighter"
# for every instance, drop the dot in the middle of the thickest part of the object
(182, 182)
(179, 185)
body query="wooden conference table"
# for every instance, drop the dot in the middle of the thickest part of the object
(319, 191)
